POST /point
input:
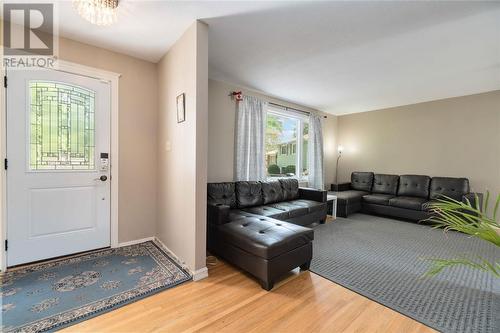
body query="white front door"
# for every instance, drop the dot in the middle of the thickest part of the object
(58, 182)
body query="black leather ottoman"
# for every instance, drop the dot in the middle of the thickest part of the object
(264, 247)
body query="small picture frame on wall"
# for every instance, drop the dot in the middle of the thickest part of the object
(181, 108)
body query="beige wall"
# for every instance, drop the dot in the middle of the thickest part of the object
(182, 147)
(456, 137)
(138, 110)
(221, 123)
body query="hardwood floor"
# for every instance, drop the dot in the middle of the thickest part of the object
(230, 301)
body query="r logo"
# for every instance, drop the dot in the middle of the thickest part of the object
(28, 29)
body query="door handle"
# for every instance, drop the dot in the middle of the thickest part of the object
(103, 178)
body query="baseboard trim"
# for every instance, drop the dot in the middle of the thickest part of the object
(136, 241)
(178, 260)
(197, 275)
(200, 274)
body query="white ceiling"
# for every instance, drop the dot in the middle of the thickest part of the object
(147, 29)
(345, 57)
(338, 57)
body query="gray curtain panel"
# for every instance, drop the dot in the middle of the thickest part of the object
(249, 140)
(315, 154)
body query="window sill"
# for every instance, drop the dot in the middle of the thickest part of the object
(301, 180)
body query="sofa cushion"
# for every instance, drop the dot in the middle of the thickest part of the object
(385, 184)
(236, 214)
(272, 192)
(221, 193)
(294, 210)
(362, 181)
(377, 198)
(426, 205)
(290, 187)
(414, 186)
(414, 203)
(349, 197)
(248, 194)
(454, 188)
(312, 206)
(268, 211)
(265, 237)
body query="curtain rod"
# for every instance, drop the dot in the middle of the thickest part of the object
(288, 108)
(238, 93)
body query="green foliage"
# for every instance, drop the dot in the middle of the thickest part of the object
(273, 169)
(306, 128)
(274, 127)
(439, 264)
(471, 219)
(289, 169)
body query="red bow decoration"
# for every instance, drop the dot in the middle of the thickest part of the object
(238, 95)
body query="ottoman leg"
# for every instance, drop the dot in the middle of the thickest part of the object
(267, 285)
(305, 266)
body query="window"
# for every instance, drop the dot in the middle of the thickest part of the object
(62, 127)
(286, 144)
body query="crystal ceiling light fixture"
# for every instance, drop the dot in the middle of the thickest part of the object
(98, 12)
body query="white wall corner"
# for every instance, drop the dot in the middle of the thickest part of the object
(200, 274)
(172, 255)
(197, 275)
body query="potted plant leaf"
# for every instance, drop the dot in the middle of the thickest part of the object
(473, 219)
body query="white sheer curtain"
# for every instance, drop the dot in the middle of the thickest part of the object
(249, 139)
(315, 153)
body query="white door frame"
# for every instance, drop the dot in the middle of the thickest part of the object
(73, 68)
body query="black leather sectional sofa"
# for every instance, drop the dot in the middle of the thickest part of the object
(259, 226)
(406, 196)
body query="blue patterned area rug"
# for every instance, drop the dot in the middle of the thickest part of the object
(52, 295)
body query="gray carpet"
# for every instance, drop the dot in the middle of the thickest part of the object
(381, 259)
